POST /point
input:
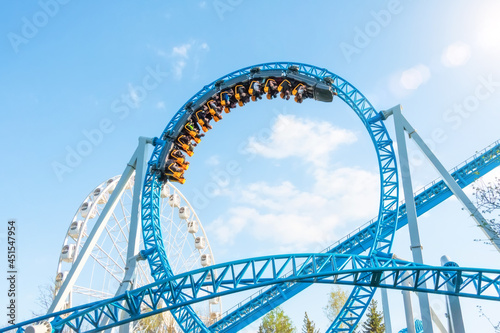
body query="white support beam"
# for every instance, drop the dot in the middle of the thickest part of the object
(93, 237)
(453, 186)
(411, 210)
(387, 313)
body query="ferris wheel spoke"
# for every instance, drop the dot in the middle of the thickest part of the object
(119, 250)
(91, 292)
(124, 234)
(109, 259)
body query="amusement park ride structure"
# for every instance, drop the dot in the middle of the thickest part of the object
(282, 276)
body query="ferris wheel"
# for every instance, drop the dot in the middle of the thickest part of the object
(185, 240)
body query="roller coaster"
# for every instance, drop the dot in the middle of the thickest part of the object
(281, 276)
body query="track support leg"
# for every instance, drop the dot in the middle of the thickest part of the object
(99, 227)
(411, 210)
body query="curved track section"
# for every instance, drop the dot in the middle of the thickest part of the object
(300, 80)
(246, 274)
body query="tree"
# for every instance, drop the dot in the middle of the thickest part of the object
(309, 326)
(336, 301)
(276, 321)
(488, 201)
(374, 322)
(46, 295)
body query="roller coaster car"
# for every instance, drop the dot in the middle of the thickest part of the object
(323, 93)
(174, 172)
(213, 110)
(179, 179)
(190, 130)
(225, 100)
(271, 88)
(241, 95)
(285, 89)
(299, 89)
(177, 156)
(184, 144)
(202, 120)
(284, 85)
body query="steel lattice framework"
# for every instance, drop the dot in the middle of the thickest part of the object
(287, 275)
(371, 119)
(425, 199)
(365, 272)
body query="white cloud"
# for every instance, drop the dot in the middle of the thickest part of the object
(205, 47)
(178, 68)
(286, 216)
(182, 50)
(456, 54)
(294, 218)
(213, 160)
(181, 54)
(133, 95)
(414, 77)
(160, 105)
(308, 140)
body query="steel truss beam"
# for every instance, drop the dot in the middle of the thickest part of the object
(386, 223)
(367, 272)
(425, 199)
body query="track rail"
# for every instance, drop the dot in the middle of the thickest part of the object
(361, 240)
(312, 76)
(362, 271)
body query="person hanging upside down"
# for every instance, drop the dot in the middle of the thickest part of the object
(255, 90)
(300, 93)
(202, 119)
(285, 89)
(214, 110)
(225, 100)
(192, 130)
(184, 143)
(174, 172)
(271, 88)
(178, 156)
(241, 95)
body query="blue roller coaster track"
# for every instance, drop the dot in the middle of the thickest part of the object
(285, 276)
(362, 271)
(311, 76)
(426, 198)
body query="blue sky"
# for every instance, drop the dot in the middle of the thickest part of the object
(304, 175)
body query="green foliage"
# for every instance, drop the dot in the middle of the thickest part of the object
(336, 301)
(374, 322)
(309, 326)
(276, 321)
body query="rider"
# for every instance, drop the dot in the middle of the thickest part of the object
(202, 118)
(255, 89)
(300, 93)
(178, 156)
(271, 88)
(214, 109)
(285, 89)
(240, 92)
(184, 143)
(225, 100)
(191, 128)
(174, 171)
